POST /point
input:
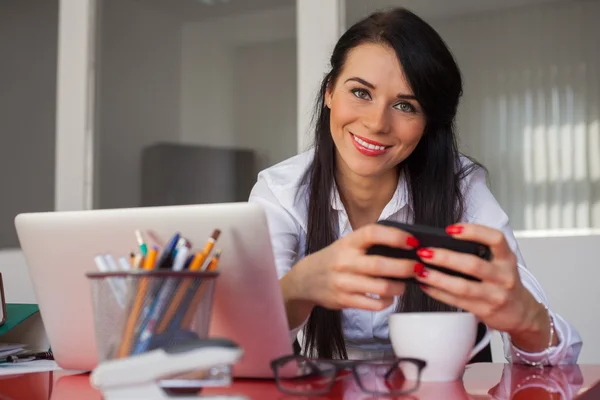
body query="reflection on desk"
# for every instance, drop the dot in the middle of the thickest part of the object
(34, 386)
(521, 382)
(72, 387)
(481, 381)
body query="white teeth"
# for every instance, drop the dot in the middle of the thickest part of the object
(368, 145)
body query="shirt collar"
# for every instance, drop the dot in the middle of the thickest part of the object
(398, 201)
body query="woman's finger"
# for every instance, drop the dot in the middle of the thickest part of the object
(360, 301)
(455, 286)
(466, 263)
(481, 309)
(485, 235)
(380, 266)
(375, 234)
(450, 299)
(361, 284)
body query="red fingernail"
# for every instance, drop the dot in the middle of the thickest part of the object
(425, 253)
(412, 241)
(419, 268)
(423, 287)
(454, 229)
(423, 273)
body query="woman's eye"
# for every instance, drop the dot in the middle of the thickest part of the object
(405, 107)
(361, 94)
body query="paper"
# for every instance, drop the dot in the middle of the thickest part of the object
(8, 349)
(27, 367)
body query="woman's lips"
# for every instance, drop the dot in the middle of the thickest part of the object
(368, 147)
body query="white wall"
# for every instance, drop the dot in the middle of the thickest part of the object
(530, 110)
(139, 61)
(28, 44)
(264, 108)
(566, 265)
(234, 68)
(320, 24)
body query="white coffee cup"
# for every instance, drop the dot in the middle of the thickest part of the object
(443, 339)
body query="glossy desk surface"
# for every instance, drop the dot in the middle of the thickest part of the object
(480, 381)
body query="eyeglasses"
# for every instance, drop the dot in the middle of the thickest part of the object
(298, 375)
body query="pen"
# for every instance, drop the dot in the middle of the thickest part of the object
(103, 266)
(119, 282)
(166, 258)
(160, 301)
(127, 342)
(141, 243)
(198, 291)
(185, 285)
(46, 355)
(125, 266)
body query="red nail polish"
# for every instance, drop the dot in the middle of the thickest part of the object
(412, 241)
(425, 253)
(423, 287)
(419, 268)
(454, 229)
(423, 273)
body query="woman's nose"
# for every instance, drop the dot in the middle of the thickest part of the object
(376, 119)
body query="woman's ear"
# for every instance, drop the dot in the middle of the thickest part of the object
(328, 95)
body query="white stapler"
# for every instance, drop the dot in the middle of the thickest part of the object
(192, 364)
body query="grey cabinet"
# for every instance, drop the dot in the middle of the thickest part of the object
(174, 174)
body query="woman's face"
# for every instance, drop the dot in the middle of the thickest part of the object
(375, 120)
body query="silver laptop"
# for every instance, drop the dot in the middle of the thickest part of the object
(59, 248)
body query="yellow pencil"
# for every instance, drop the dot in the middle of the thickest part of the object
(189, 314)
(195, 265)
(140, 297)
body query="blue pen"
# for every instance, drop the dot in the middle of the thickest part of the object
(164, 293)
(166, 258)
(165, 261)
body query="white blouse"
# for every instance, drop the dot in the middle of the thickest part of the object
(280, 192)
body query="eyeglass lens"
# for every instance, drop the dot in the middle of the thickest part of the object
(304, 376)
(391, 377)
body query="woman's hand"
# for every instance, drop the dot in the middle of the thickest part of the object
(343, 276)
(500, 300)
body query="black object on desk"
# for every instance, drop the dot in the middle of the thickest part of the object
(17, 358)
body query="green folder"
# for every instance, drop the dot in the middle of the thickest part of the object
(16, 314)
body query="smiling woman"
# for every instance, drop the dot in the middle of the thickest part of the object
(374, 111)
(385, 148)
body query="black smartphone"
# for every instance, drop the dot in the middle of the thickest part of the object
(431, 237)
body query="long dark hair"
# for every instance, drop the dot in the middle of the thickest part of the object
(433, 171)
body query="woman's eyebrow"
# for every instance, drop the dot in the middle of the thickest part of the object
(360, 80)
(402, 96)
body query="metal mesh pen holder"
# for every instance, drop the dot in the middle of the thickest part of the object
(139, 311)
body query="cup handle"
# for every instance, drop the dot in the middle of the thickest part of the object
(485, 340)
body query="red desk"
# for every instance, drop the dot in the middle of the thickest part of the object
(481, 381)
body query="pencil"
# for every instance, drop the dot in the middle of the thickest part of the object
(189, 314)
(214, 263)
(196, 264)
(140, 297)
(138, 261)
